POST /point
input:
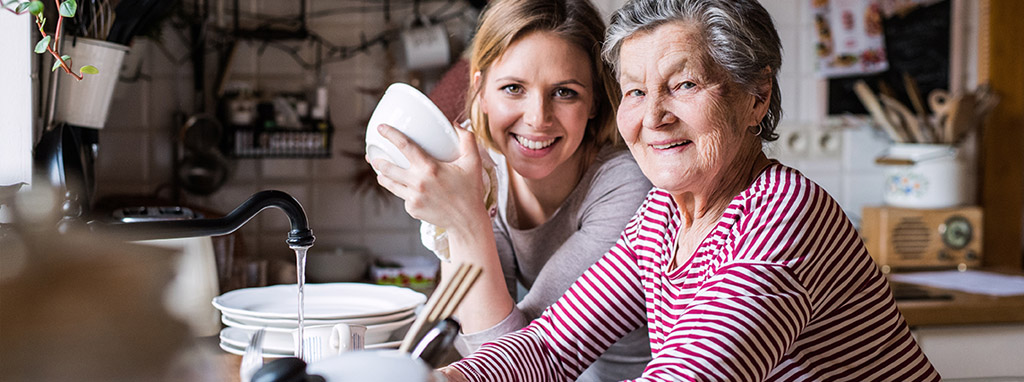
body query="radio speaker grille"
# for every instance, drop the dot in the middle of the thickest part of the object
(910, 237)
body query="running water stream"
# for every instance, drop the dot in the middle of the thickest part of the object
(300, 270)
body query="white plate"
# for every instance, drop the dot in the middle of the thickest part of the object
(233, 349)
(280, 338)
(292, 323)
(322, 301)
(237, 339)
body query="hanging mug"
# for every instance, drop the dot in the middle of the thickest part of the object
(424, 45)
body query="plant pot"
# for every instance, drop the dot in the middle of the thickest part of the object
(85, 103)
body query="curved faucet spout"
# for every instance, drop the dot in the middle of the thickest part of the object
(299, 236)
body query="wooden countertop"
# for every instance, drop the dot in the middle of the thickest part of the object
(959, 308)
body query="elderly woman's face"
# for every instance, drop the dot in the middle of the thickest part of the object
(683, 121)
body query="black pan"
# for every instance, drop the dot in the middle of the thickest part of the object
(60, 162)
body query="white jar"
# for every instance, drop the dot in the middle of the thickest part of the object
(926, 176)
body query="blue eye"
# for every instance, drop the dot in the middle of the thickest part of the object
(687, 85)
(635, 93)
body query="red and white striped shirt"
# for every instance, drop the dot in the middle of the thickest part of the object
(782, 289)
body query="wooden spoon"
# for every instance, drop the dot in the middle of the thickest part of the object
(911, 122)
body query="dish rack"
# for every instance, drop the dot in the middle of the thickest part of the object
(313, 140)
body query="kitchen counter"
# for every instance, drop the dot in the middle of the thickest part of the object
(928, 306)
(966, 336)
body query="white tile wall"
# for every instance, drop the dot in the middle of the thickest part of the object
(136, 146)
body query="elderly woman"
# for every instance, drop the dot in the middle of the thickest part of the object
(743, 269)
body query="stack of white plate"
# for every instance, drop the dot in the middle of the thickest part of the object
(386, 311)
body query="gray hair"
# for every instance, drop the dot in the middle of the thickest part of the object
(740, 37)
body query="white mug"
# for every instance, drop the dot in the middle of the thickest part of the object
(408, 110)
(323, 341)
(425, 46)
(372, 366)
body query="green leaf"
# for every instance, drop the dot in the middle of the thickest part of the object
(56, 63)
(42, 44)
(89, 69)
(22, 7)
(35, 7)
(68, 8)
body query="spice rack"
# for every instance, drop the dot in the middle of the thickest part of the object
(313, 140)
(278, 126)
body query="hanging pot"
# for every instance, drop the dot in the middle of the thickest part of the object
(60, 163)
(202, 169)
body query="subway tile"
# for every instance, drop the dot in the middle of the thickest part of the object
(123, 156)
(329, 240)
(391, 244)
(789, 87)
(334, 206)
(127, 109)
(784, 12)
(832, 182)
(862, 144)
(230, 196)
(811, 99)
(285, 168)
(386, 212)
(862, 189)
(245, 170)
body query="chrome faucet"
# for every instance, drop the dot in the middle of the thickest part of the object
(299, 236)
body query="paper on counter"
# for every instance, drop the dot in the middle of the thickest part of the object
(969, 281)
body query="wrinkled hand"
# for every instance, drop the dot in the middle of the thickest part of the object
(446, 194)
(452, 375)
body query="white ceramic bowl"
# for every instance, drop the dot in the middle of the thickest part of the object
(411, 112)
(372, 366)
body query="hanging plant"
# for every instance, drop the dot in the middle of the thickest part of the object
(47, 43)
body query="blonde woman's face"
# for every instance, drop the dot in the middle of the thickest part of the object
(538, 97)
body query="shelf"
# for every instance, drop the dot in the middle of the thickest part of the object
(313, 141)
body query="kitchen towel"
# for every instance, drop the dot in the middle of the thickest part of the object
(436, 238)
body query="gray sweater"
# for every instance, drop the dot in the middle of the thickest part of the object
(548, 258)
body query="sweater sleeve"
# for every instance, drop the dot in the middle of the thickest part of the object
(610, 200)
(604, 304)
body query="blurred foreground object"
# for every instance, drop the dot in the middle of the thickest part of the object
(78, 307)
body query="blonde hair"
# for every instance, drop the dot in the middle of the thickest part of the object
(576, 21)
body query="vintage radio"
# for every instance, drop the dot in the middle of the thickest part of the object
(904, 238)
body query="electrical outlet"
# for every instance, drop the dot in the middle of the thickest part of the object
(794, 142)
(826, 143)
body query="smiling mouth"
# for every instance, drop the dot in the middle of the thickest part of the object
(671, 145)
(534, 145)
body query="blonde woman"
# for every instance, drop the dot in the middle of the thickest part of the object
(543, 103)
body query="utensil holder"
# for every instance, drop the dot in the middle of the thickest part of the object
(85, 103)
(925, 176)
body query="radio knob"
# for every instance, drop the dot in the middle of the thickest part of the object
(943, 255)
(956, 232)
(971, 255)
